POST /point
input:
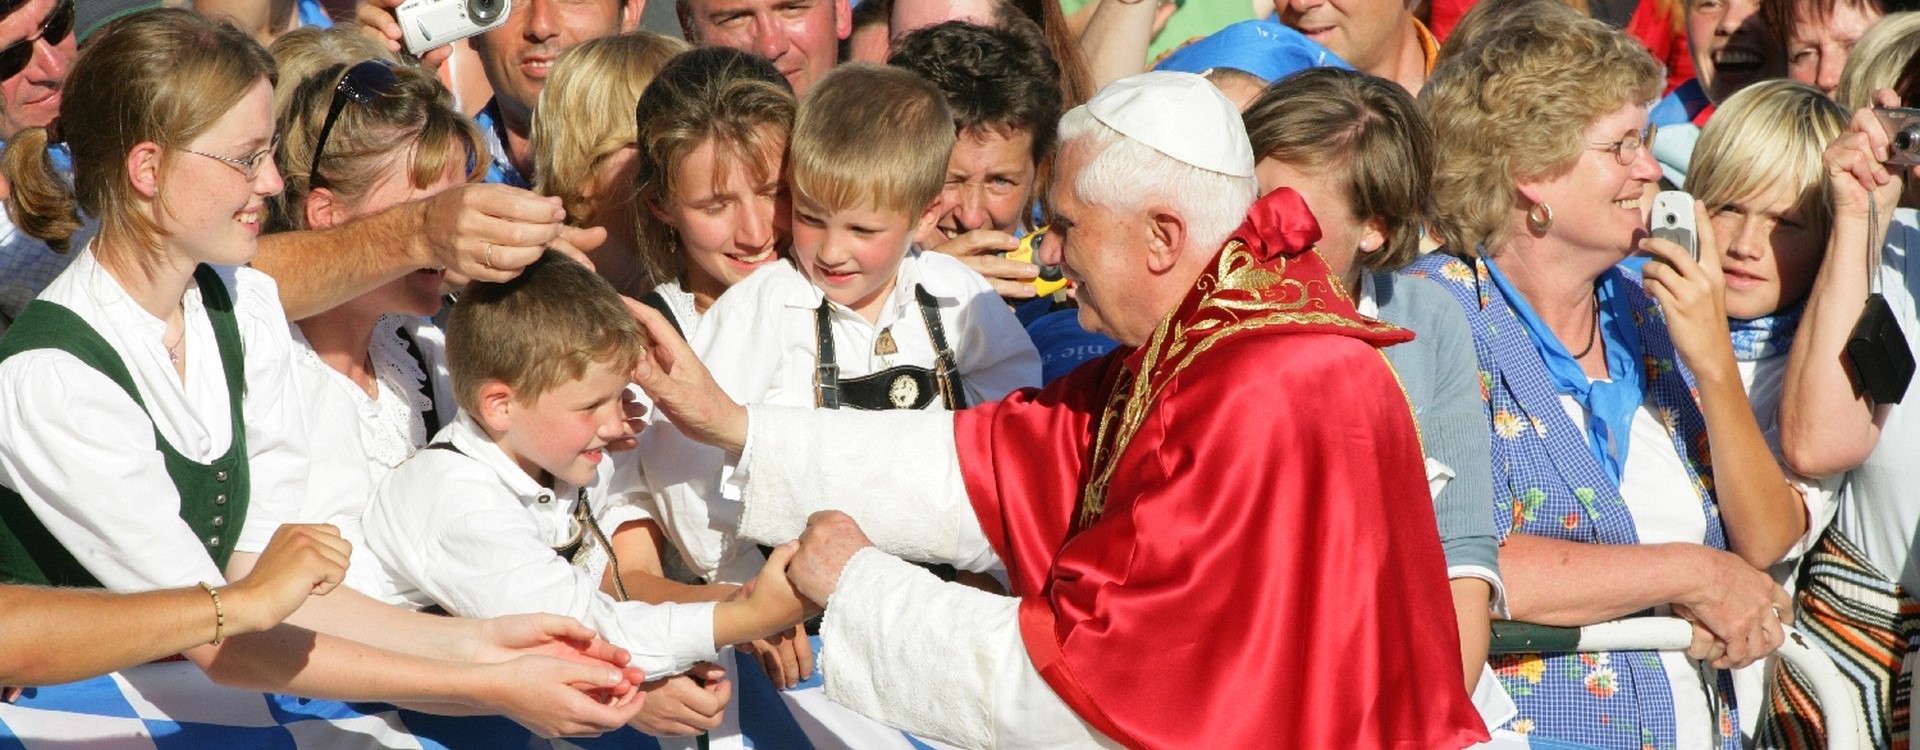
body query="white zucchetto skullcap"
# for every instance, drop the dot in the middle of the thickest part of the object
(1178, 114)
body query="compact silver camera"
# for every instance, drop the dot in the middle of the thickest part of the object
(427, 24)
(1903, 134)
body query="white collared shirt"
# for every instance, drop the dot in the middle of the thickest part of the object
(758, 339)
(472, 532)
(356, 440)
(82, 453)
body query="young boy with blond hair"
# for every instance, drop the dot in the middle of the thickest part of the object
(858, 318)
(510, 509)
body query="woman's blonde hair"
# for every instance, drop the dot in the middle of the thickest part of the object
(1515, 107)
(735, 99)
(586, 109)
(413, 120)
(1877, 59)
(1771, 133)
(306, 51)
(162, 76)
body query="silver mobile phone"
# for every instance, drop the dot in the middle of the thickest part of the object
(1673, 220)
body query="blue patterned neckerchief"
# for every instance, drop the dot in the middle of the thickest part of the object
(1610, 404)
(1545, 485)
(1765, 336)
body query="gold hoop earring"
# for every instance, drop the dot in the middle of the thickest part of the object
(1540, 218)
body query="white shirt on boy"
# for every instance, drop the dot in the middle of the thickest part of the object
(469, 530)
(759, 340)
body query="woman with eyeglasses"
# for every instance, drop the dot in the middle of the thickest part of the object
(1618, 488)
(150, 428)
(357, 139)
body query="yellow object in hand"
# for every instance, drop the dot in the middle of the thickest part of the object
(1052, 278)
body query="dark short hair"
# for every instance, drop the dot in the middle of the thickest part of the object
(1367, 133)
(992, 77)
(1783, 16)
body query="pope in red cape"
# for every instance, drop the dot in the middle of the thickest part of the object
(1260, 544)
(1220, 535)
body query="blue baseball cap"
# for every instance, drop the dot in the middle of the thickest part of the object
(1266, 48)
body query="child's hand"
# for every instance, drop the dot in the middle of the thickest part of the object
(636, 421)
(684, 705)
(787, 656)
(773, 597)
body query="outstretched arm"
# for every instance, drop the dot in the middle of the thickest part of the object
(485, 232)
(914, 502)
(49, 636)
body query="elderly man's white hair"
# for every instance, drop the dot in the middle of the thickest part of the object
(1125, 175)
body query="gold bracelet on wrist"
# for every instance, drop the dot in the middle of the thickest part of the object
(219, 615)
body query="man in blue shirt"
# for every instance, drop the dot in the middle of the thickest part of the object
(517, 57)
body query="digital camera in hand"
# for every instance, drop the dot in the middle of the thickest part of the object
(1903, 134)
(427, 24)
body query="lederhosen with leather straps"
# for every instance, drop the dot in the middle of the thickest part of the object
(897, 387)
(213, 496)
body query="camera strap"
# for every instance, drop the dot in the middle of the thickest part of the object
(1873, 246)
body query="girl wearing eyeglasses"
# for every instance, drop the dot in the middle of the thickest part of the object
(150, 427)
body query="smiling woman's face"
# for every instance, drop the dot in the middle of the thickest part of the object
(1732, 46)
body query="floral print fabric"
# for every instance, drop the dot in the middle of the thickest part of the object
(1547, 483)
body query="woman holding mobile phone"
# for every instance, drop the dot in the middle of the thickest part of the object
(1603, 457)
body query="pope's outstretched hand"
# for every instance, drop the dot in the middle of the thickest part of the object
(682, 388)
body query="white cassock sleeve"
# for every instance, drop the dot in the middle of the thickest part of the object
(913, 503)
(937, 659)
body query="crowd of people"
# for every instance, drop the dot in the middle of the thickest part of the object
(1032, 373)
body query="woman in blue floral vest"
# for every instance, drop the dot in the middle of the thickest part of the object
(1604, 441)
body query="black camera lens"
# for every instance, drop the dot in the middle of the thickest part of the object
(485, 11)
(1905, 140)
(1672, 219)
(1049, 272)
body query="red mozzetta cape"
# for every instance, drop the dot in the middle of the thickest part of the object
(1225, 538)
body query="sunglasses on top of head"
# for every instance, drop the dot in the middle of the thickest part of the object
(361, 84)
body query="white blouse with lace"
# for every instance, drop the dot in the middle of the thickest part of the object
(356, 439)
